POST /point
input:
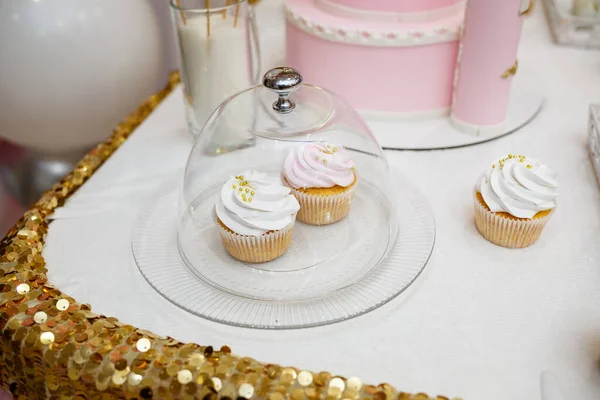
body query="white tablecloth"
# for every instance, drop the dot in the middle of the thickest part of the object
(483, 322)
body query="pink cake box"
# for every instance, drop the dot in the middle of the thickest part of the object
(378, 64)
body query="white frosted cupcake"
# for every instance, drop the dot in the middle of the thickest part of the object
(323, 179)
(514, 199)
(256, 216)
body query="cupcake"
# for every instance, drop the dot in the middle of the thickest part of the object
(514, 199)
(255, 215)
(323, 179)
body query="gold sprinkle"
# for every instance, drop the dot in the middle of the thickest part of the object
(247, 190)
(324, 161)
(353, 168)
(234, 186)
(240, 189)
(494, 166)
(250, 200)
(529, 166)
(252, 193)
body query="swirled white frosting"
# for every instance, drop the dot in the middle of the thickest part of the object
(318, 165)
(254, 203)
(520, 186)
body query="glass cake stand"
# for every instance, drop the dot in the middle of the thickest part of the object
(351, 280)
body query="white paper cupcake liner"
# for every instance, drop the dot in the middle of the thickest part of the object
(508, 232)
(323, 210)
(257, 249)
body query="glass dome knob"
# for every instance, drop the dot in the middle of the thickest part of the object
(283, 81)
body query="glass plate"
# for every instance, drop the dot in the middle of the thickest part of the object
(361, 271)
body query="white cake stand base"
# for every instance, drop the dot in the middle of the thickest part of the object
(399, 132)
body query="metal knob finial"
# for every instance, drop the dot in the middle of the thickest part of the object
(283, 81)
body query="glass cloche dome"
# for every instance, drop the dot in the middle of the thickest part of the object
(288, 211)
(288, 215)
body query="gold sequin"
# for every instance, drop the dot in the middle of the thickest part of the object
(118, 379)
(246, 390)
(23, 288)
(62, 304)
(305, 378)
(134, 379)
(143, 345)
(184, 376)
(47, 338)
(121, 365)
(337, 383)
(354, 383)
(196, 360)
(217, 384)
(289, 372)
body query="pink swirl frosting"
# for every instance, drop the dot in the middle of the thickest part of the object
(318, 165)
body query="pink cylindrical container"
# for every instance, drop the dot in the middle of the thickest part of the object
(487, 62)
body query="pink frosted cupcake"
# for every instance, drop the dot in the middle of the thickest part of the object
(323, 179)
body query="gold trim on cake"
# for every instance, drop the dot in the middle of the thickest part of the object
(512, 71)
(529, 8)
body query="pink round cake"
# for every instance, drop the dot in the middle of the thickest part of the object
(394, 56)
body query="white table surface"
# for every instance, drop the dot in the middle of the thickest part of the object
(483, 322)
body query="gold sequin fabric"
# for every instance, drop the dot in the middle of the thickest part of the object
(53, 347)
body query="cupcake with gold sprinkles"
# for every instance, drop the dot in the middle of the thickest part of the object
(323, 179)
(514, 199)
(256, 214)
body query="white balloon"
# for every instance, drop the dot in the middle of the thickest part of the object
(70, 70)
